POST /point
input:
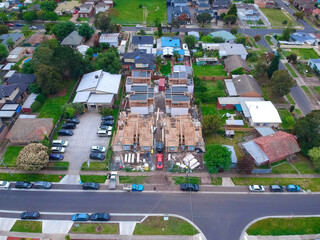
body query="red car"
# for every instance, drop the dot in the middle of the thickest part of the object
(159, 161)
(9, 24)
(75, 11)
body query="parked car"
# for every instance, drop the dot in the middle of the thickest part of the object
(276, 188)
(100, 217)
(9, 24)
(55, 157)
(104, 127)
(65, 132)
(30, 215)
(73, 120)
(293, 188)
(80, 217)
(33, 28)
(75, 11)
(98, 149)
(256, 188)
(137, 187)
(42, 185)
(18, 25)
(159, 147)
(69, 126)
(138, 26)
(107, 118)
(189, 187)
(159, 161)
(60, 143)
(107, 123)
(58, 149)
(90, 186)
(4, 184)
(23, 184)
(97, 156)
(104, 133)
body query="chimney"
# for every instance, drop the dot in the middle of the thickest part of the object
(96, 76)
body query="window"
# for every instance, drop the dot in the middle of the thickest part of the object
(191, 148)
(257, 124)
(265, 124)
(223, 105)
(171, 148)
(146, 148)
(127, 148)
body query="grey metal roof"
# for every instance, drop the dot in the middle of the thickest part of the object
(6, 114)
(142, 40)
(265, 131)
(140, 74)
(139, 88)
(73, 39)
(233, 153)
(10, 107)
(230, 87)
(235, 122)
(244, 84)
(179, 89)
(13, 36)
(256, 153)
(178, 75)
(21, 78)
(138, 97)
(180, 98)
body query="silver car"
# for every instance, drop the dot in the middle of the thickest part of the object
(42, 185)
(256, 188)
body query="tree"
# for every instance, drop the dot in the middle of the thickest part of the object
(103, 22)
(109, 61)
(233, 10)
(159, 30)
(143, 32)
(3, 17)
(34, 88)
(29, 16)
(49, 27)
(292, 107)
(48, 6)
(33, 157)
(49, 79)
(3, 29)
(217, 157)
(314, 154)
(298, 15)
(71, 109)
(285, 22)
(10, 42)
(211, 124)
(234, 31)
(3, 51)
(190, 41)
(78, 107)
(287, 32)
(52, 16)
(25, 30)
(281, 83)
(69, 112)
(307, 130)
(204, 18)
(260, 69)
(85, 30)
(175, 23)
(63, 29)
(240, 40)
(257, 38)
(40, 15)
(274, 66)
(292, 58)
(245, 165)
(207, 39)
(89, 53)
(176, 56)
(158, 62)
(230, 19)
(218, 40)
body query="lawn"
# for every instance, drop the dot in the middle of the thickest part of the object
(285, 226)
(268, 96)
(158, 226)
(64, 18)
(286, 118)
(312, 184)
(208, 70)
(216, 180)
(283, 168)
(275, 16)
(58, 166)
(215, 85)
(317, 88)
(209, 109)
(84, 19)
(30, 177)
(131, 12)
(10, 156)
(94, 178)
(304, 53)
(306, 90)
(223, 114)
(136, 179)
(52, 108)
(166, 69)
(304, 165)
(95, 228)
(293, 73)
(95, 166)
(268, 39)
(179, 180)
(290, 99)
(27, 226)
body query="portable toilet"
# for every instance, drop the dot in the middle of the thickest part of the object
(162, 84)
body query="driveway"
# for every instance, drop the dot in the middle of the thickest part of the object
(84, 136)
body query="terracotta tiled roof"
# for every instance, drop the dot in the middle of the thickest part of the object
(278, 146)
(316, 11)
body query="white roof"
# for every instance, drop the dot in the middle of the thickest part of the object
(82, 49)
(263, 112)
(6, 114)
(109, 37)
(89, 80)
(235, 122)
(230, 87)
(9, 74)
(227, 49)
(30, 100)
(196, 34)
(265, 131)
(8, 66)
(109, 83)
(17, 50)
(81, 97)
(168, 51)
(10, 107)
(100, 98)
(27, 116)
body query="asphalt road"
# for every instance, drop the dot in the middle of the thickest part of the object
(219, 216)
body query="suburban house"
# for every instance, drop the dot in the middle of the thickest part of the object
(139, 60)
(248, 12)
(227, 49)
(237, 103)
(182, 14)
(306, 6)
(314, 64)
(316, 12)
(220, 5)
(182, 68)
(21, 78)
(17, 54)
(227, 36)
(264, 3)
(243, 86)
(13, 93)
(36, 39)
(17, 38)
(179, 3)
(98, 89)
(72, 40)
(141, 99)
(103, 7)
(201, 61)
(4, 5)
(195, 34)
(173, 42)
(236, 62)
(177, 100)
(138, 78)
(271, 148)
(142, 42)
(28, 130)
(26, 107)
(86, 10)
(113, 39)
(66, 7)
(303, 38)
(204, 7)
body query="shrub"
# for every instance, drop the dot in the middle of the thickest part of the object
(140, 5)
(285, 22)
(41, 98)
(35, 106)
(106, 111)
(34, 88)
(198, 54)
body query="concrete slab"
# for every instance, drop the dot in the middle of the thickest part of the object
(56, 227)
(3, 237)
(6, 223)
(227, 182)
(70, 179)
(127, 228)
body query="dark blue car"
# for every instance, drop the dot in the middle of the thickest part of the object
(55, 157)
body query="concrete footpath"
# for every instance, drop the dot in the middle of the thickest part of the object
(286, 237)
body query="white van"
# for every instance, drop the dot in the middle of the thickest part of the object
(104, 133)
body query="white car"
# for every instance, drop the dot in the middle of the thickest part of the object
(138, 26)
(256, 188)
(4, 184)
(58, 149)
(107, 128)
(98, 149)
(60, 143)
(33, 28)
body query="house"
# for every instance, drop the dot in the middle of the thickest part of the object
(139, 60)
(201, 61)
(306, 6)
(141, 99)
(195, 34)
(264, 3)
(181, 79)
(86, 10)
(264, 131)
(72, 40)
(303, 38)
(177, 100)
(314, 64)
(36, 39)
(103, 7)
(142, 42)
(243, 86)
(230, 49)
(173, 42)
(21, 78)
(17, 54)
(17, 38)
(235, 62)
(138, 78)
(28, 130)
(98, 89)
(227, 36)
(182, 14)
(316, 13)
(66, 7)
(13, 93)
(26, 107)
(4, 5)
(82, 49)
(271, 148)
(179, 3)
(237, 103)
(220, 5)
(110, 38)
(94, 2)
(248, 12)
(182, 68)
